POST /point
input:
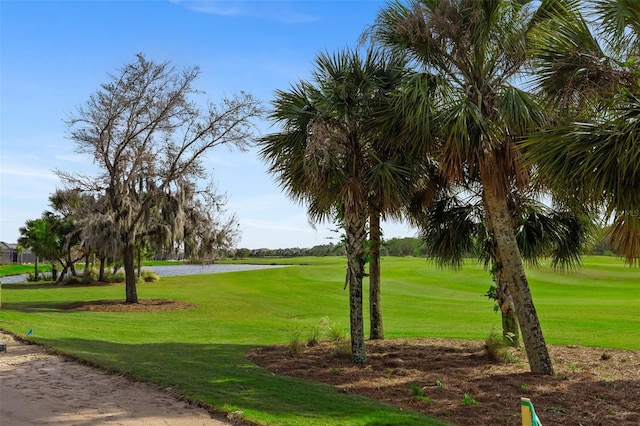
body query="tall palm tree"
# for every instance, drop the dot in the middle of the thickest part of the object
(327, 155)
(475, 54)
(387, 198)
(589, 70)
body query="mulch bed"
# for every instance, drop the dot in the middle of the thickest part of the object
(592, 386)
(143, 305)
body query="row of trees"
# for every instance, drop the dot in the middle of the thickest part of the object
(452, 230)
(391, 247)
(462, 115)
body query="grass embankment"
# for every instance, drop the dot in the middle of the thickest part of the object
(19, 269)
(200, 353)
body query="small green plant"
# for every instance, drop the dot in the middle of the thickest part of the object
(418, 394)
(335, 372)
(295, 346)
(556, 410)
(468, 400)
(522, 386)
(388, 372)
(573, 368)
(438, 383)
(314, 336)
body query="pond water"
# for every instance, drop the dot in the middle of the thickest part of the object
(174, 270)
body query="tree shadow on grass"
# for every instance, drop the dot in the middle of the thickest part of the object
(53, 285)
(53, 306)
(221, 377)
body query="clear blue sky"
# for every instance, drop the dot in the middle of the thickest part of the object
(54, 54)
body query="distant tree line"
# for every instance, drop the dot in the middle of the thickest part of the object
(392, 247)
(396, 247)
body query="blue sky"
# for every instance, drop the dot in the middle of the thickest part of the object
(54, 54)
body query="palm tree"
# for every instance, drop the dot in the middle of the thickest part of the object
(35, 235)
(327, 155)
(473, 54)
(591, 157)
(386, 201)
(454, 228)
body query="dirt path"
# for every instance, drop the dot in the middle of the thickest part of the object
(38, 388)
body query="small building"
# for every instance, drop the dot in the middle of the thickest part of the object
(9, 254)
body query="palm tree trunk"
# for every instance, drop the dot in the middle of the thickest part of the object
(510, 327)
(355, 236)
(128, 258)
(499, 218)
(376, 330)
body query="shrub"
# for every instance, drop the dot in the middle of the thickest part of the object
(118, 277)
(343, 347)
(295, 346)
(498, 350)
(333, 331)
(314, 336)
(149, 277)
(42, 276)
(89, 276)
(79, 279)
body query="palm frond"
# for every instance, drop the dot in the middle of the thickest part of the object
(595, 163)
(449, 230)
(571, 66)
(619, 22)
(625, 236)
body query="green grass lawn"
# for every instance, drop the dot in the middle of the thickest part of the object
(200, 353)
(19, 269)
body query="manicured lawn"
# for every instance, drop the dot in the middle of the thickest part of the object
(201, 352)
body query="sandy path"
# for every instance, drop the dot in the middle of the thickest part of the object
(38, 388)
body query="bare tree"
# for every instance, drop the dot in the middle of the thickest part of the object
(149, 138)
